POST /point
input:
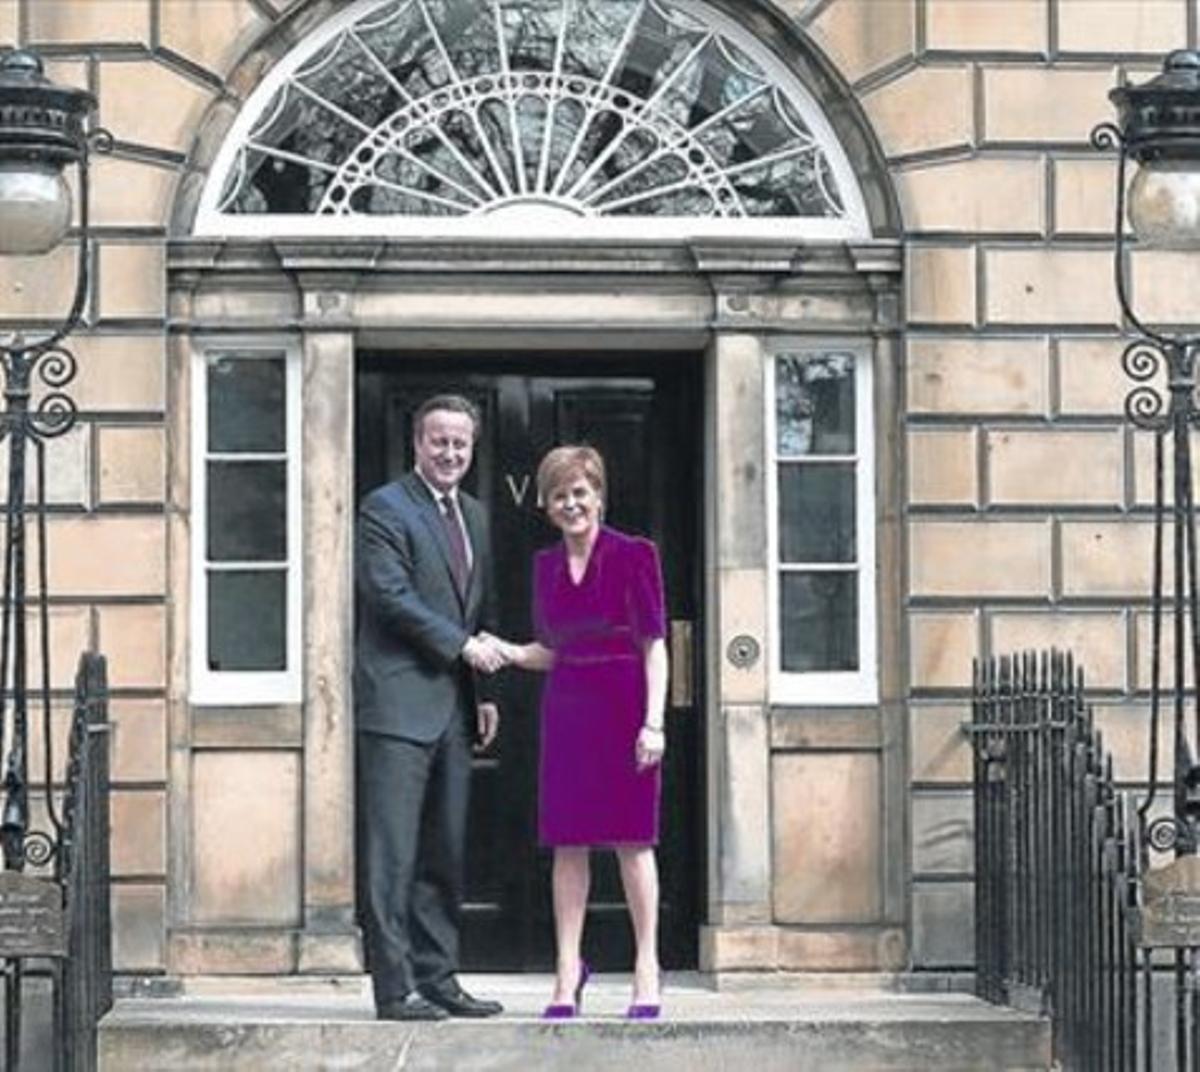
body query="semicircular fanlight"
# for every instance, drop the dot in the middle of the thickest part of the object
(534, 109)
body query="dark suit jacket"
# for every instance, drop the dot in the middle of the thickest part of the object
(409, 675)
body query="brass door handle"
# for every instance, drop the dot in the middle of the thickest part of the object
(681, 692)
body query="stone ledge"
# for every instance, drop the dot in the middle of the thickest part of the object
(346, 254)
(768, 1028)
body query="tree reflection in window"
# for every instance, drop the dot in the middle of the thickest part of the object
(818, 538)
(815, 404)
(631, 108)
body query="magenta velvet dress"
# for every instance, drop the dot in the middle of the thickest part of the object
(594, 703)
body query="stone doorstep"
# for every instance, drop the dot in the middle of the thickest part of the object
(236, 1025)
(175, 986)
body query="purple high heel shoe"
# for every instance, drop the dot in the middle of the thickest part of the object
(567, 1012)
(639, 1011)
(644, 1010)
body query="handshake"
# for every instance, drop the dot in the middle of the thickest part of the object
(487, 653)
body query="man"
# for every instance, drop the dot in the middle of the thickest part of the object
(422, 577)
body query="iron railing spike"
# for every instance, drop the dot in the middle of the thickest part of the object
(1058, 868)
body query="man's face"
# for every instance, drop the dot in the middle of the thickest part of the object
(444, 444)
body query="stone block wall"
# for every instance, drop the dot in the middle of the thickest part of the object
(154, 65)
(1027, 494)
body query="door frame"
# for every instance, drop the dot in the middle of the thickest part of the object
(724, 299)
(677, 431)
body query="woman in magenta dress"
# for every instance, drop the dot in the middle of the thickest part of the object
(599, 622)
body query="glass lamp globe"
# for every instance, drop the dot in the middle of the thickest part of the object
(1164, 204)
(35, 207)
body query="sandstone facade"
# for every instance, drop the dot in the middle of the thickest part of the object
(1020, 516)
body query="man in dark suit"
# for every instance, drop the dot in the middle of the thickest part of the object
(422, 580)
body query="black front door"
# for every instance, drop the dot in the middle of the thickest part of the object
(643, 416)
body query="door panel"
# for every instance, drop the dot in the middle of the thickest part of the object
(641, 415)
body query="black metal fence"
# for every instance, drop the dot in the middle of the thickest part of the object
(1060, 868)
(80, 971)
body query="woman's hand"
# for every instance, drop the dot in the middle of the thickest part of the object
(504, 652)
(531, 656)
(651, 743)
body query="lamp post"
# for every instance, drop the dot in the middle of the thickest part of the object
(1158, 129)
(43, 131)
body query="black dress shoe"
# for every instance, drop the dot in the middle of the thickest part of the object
(451, 997)
(409, 1007)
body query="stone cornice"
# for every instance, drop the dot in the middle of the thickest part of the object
(365, 257)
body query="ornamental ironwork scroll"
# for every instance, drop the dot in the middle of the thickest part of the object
(580, 108)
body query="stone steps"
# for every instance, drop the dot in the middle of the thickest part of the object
(328, 1026)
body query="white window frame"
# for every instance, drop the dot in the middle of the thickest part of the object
(830, 688)
(246, 687)
(853, 225)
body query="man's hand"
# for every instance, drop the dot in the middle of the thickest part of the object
(487, 725)
(510, 652)
(484, 653)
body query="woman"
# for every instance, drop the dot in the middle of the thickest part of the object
(599, 622)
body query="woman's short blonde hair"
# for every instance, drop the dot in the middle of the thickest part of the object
(564, 464)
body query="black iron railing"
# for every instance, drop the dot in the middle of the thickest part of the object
(1063, 921)
(86, 984)
(72, 945)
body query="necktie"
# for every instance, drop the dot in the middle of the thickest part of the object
(459, 565)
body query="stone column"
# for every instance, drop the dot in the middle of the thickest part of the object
(739, 933)
(329, 940)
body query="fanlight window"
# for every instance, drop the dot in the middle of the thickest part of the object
(411, 115)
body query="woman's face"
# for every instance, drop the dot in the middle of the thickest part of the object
(574, 506)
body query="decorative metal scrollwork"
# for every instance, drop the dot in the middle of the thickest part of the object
(57, 367)
(1145, 406)
(55, 415)
(1143, 360)
(56, 411)
(40, 848)
(1106, 137)
(101, 140)
(1168, 833)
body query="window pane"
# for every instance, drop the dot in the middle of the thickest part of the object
(814, 404)
(246, 405)
(818, 617)
(247, 620)
(816, 513)
(247, 511)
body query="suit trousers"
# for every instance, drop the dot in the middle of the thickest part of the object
(413, 799)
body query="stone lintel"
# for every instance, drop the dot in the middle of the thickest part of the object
(429, 286)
